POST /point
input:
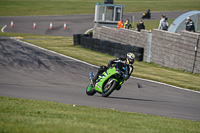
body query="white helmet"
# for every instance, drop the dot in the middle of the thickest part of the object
(130, 57)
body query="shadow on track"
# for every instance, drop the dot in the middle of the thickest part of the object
(127, 98)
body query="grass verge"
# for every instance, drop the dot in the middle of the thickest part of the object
(33, 116)
(62, 7)
(152, 24)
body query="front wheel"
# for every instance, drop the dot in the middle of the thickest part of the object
(109, 87)
(90, 90)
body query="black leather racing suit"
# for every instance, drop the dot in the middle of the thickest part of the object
(190, 26)
(120, 63)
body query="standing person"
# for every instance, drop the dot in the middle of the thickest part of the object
(120, 24)
(163, 25)
(189, 25)
(127, 24)
(140, 25)
(161, 20)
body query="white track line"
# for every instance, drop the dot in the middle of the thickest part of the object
(97, 66)
(2, 30)
(167, 85)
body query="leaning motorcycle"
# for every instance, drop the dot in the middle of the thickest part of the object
(107, 82)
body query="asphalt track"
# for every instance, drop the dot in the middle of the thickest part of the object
(33, 73)
(76, 24)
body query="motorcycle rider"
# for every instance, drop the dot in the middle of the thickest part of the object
(122, 63)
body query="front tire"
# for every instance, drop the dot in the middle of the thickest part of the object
(109, 87)
(90, 90)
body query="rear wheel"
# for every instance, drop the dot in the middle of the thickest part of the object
(90, 90)
(109, 87)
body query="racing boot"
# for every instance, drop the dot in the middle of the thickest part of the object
(93, 81)
(100, 71)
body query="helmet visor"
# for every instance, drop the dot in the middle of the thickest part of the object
(131, 61)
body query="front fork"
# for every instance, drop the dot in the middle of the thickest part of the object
(108, 84)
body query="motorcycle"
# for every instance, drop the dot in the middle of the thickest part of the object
(107, 82)
(146, 15)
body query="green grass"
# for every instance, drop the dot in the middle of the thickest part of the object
(159, 5)
(152, 24)
(64, 45)
(32, 116)
(61, 7)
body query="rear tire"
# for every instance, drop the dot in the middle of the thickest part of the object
(90, 91)
(112, 86)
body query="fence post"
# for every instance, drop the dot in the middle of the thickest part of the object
(148, 56)
(196, 47)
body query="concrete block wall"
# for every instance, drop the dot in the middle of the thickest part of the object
(167, 49)
(123, 36)
(164, 48)
(175, 50)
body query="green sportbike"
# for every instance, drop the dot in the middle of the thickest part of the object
(107, 82)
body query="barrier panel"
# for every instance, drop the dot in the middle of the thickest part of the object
(76, 38)
(107, 47)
